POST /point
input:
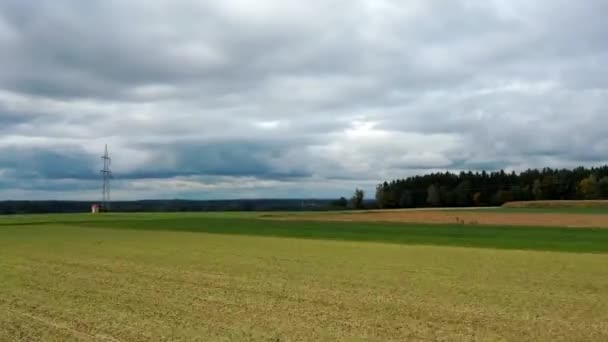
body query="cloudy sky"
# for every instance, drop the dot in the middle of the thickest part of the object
(279, 98)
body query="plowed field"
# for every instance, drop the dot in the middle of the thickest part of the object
(464, 217)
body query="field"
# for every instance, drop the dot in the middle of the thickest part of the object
(287, 277)
(603, 204)
(511, 216)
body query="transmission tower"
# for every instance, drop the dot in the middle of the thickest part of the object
(106, 175)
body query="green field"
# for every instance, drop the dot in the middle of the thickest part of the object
(207, 277)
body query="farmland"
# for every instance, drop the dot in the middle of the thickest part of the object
(575, 217)
(281, 277)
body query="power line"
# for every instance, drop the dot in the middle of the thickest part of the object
(106, 175)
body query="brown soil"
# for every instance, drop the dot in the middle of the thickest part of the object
(464, 217)
(558, 204)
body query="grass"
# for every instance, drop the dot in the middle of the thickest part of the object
(189, 277)
(528, 238)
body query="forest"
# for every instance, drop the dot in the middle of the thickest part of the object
(493, 188)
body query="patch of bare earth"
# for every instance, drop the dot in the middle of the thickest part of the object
(464, 217)
(559, 204)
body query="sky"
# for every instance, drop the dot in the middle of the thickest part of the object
(293, 99)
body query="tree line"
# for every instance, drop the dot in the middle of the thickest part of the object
(27, 207)
(493, 188)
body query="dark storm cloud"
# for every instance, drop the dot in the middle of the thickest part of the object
(233, 158)
(8, 119)
(276, 97)
(25, 164)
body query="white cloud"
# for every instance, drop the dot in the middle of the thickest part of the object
(231, 98)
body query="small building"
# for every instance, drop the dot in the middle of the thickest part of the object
(95, 208)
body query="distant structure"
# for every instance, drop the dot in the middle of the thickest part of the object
(95, 209)
(106, 175)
